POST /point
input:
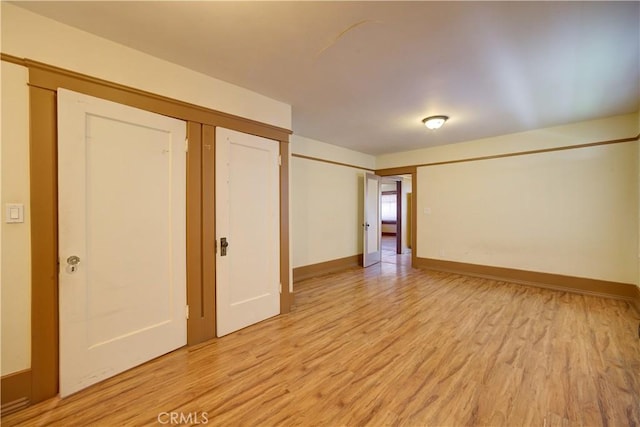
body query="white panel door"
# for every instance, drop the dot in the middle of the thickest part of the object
(372, 252)
(247, 230)
(122, 214)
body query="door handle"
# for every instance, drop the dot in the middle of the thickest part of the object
(72, 263)
(223, 246)
(73, 260)
(366, 225)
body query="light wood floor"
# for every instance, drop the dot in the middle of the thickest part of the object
(389, 252)
(388, 245)
(390, 345)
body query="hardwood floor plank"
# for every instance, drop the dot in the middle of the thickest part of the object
(389, 345)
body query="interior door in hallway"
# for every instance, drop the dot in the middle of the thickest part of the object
(372, 250)
(122, 201)
(247, 230)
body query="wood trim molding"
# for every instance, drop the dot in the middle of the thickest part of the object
(581, 285)
(195, 301)
(636, 299)
(13, 59)
(44, 243)
(51, 77)
(15, 391)
(399, 224)
(402, 170)
(201, 322)
(286, 294)
(392, 171)
(323, 268)
(414, 218)
(331, 162)
(208, 238)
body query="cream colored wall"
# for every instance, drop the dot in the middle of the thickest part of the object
(27, 35)
(406, 189)
(326, 202)
(322, 150)
(15, 277)
(606, 129)
(548, 212)
(565, 212)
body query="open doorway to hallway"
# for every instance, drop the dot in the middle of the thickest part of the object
(395, 212)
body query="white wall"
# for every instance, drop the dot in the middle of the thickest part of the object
(27, 35)
(326, 202)
(566, 212)
(15, 274)
(388, 186)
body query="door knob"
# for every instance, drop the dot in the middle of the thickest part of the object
(223, 246)
(72, 263)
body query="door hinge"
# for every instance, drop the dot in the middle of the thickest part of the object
(280, 287)
(186, 145)
(279, 160)
(186, 312)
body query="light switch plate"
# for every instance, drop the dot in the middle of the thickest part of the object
(14, 213)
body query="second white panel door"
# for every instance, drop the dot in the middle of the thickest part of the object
(247, 230)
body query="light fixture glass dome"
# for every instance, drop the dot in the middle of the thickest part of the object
(434, 122)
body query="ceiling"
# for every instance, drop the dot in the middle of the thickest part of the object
(363, 75)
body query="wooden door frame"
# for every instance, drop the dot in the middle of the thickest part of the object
(399, 216)
(44, 80)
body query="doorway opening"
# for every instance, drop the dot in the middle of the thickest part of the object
(395, 215)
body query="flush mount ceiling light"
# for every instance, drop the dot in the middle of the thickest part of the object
(435, 122)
